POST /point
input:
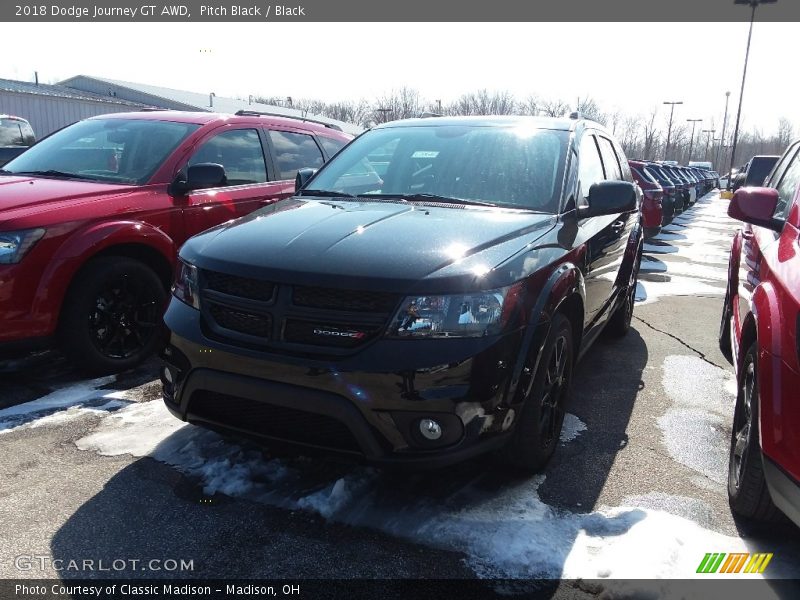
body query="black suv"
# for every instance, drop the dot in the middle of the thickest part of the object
(421, 299)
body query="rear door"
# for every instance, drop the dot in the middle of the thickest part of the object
(292, 151)
(241, 150)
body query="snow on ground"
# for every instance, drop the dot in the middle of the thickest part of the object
(74, 399)
(508, 532)
(572, 428)
(690, 256)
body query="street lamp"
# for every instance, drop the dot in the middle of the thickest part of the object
(752, 4)
(722, 135)
(710, 133)
(669, 128)
(694, 123)
(384, 112)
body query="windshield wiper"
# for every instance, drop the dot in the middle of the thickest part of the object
(325, 194)
(431, 197)
(53, 173)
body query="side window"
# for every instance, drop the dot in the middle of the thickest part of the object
(787, 188)
(331, 145)
(623, 162)
(11, 133)
(239, 151)
(590, 168)
(294, 151)
(610, 162)
(780, 167)
(27, 134)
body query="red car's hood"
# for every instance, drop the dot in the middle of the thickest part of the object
(18, 193)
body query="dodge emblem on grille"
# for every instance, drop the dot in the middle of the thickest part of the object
(349, 334)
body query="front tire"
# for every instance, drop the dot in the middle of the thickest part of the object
(111, 318)
(748, 494)
(545, 397)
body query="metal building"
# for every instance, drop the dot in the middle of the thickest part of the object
(162, 97)
(51, 107)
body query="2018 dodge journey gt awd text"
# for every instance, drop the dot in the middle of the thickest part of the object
(421, 299)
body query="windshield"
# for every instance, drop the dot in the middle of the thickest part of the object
(516, 166)
(115, 150)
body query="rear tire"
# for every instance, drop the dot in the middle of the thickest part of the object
(111, 319)
(545, 397)
(620, 322)
(748, 494)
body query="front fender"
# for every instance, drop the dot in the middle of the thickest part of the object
(86, 242)
(566, 280)
(769, 333)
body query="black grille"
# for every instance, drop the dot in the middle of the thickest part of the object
(351, 300)
(339, 335)
(240, 321)
(253, 289)
(273, 421)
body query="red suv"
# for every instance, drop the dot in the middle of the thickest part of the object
(760, 335)
(92, 218)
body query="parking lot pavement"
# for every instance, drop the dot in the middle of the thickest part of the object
(99, 469)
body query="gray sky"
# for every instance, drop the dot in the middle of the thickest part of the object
(618, 64)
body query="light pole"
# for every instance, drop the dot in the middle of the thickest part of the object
(384, 112)
(694, 123)
(752, 4)
(710, 133)
(724, 124)
(669, 128)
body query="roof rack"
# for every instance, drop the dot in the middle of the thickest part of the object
(256, 113)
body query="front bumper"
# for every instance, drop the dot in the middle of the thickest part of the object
(367, 405)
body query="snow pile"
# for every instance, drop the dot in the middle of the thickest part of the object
(505, 532)
(79, 398)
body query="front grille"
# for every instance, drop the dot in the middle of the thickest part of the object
(269, 420)
(349, 300)
(333, 335)
(241, 321)
(244, 287)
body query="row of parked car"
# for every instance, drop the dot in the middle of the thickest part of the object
(669, 189)
(418, 295)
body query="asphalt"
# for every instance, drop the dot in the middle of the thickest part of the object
(657, 406)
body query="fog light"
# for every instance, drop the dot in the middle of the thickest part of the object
(430, 429)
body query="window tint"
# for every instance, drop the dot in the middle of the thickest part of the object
(122, 150)
(507, 166)
(331, 145)
(780, 167)
(590, 169)
(610, 162)
(239, 151)
(294, 151)
(787, 188)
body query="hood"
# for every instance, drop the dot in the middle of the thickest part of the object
(370, 245)
(24, 192)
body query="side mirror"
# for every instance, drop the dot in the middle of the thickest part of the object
(608, 198)
(756, 205)
(303, 175)
(198, 177)
(738, 181)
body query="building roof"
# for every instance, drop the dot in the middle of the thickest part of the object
(204, 101)
(59, 91)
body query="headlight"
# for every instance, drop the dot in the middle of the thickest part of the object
(459, 315)
(14, 244)
(185, 287)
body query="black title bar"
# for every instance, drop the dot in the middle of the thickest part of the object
(261, 11)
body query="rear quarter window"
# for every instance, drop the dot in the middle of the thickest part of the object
(13, 132)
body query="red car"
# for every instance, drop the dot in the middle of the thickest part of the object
(760, 335)
(652, 208)
(91, 219)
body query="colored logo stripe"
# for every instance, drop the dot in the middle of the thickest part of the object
(713, 562)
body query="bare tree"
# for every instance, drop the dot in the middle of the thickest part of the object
(554, 108)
